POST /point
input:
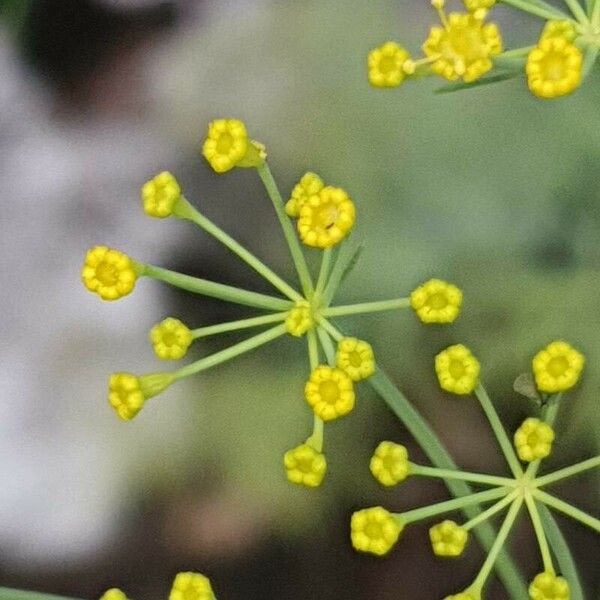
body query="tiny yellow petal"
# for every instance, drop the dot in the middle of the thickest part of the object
(375, 530)
(108, 273)
(329, 392)
(436, 301)
(457, 370)
(557, 367)
(305, 466)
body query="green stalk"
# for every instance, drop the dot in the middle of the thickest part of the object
(366, 307)
(540, 534)
(215, 290)
(323, 272)
(585, 465)
(595, 12)
(11, 594)
(239, 325)
(344, 258)
(577, 11)
(568, 509)
(549, 414)
(491, 511)
(591, 54)
(539, 9)
(316, 438)
(461, 475)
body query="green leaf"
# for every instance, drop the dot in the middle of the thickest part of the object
(496, 78)
(525, 385)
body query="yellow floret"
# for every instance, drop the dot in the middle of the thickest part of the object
(448, 538)
(389, 463)
(554, 68)
(305, 466)
(436, 301)
(533, 440)
(464, 596)
(355, 358)
(127, 393)
(561, 29)
(326, 218)
(228, 146)
(557, 367)
(477, 6)
(299, 319)
(160, 195)
(386, 65)
(113, 594)
(457, 370)
(375, 530)
(170, 339)
(464, 49)
(108, 273)
(191, 586)
(547, 586)
(329, 392)
(310, 185)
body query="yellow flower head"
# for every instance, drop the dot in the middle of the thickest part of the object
(127, 393)
(560, 29)
(310, 185)
(326, 218)
(355, 358)
(463, 596)
(547, 586)
(463, 48)
(554, 67)
(557, 367)
(113, 594)
(448, 538)
(436, 301)
(375, 530)
(533, 440)
(305, 466)
(228, 146)
(170, 339)
(160, 195)
(457, 370)
(191, 586)
(330, 393)
(299, 319)
(476, 6)
(389, 463)
(108, 273)
(386, 65)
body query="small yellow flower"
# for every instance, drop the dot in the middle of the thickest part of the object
(375, 530)
(113, 594)
(436, 301)
(554, 67)
(160, 195)
(127, 393)
(476, 6)
(464, 49)
(389, 463)
(386, 65)
(557, 367)
(305, 466)
(299, 319)
(228, 146)
(170, 339)
(561, 29)
(108, 273)
(310, 185)
(327, 218)
(547, 586)
(448, 538)
(457, 370)
(330, 393)
(464, 596)
(533, 440)
(355, 358)
(191, 586)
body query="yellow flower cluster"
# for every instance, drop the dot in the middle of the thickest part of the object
(309, 185)
(386, 65)
(389, 463)
(448, 538)
(533, 440)
(548, 586)
(374, 530)
(436, 301)
(329, 392)
(299, 319)
(127, 393)
(108, 273)
(457, 370)
(305, 466)
(160, 195)
(557, 367)
(355, 358)
(171, 339)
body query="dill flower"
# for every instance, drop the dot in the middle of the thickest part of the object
(327, 218)
(560, 29)
(554, 67)
(305, 466)
(160, 195)
(127, 393)
(463, 48)
(547, 586)
(355, 358)
(191, 586)
(557, 367)
(386, 65)
(108, 273)
(457, 370)
(463, 596)
(476, 6)
(374, 530)
(113, 594)
(389, 463)
(170, 339)
(448, 538)
(310, 185)
(330, 393)
(436, 301)
(299, 319)
(533, 440)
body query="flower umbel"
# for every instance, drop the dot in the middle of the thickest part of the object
(305, 466)
(557, 367)
(374, 530)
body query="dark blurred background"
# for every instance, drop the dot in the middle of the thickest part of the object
(491, 189)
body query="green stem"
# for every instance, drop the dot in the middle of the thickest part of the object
(499, 431)
(591, 54)
(11, 594)
(215, 290)
(568, 509)
(323, 272)
(420, 514)
(346, 256)
(461, 475)
(515, 52)
(590, 463)
(577, 11)
(290, 235)
(595, 18)
(540, 534)
(539, 9)
(316, 438)
(224, 355)
(185, 210)
(490, 512)
(238, 325)
(366, 307)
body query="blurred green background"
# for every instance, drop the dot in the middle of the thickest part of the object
(492, 189)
